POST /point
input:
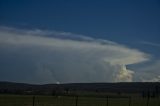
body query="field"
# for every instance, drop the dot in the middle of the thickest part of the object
(29, 100)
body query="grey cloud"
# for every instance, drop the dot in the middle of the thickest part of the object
(66, 57)
(148, 73)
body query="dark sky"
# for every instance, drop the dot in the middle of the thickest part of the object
(113, 19)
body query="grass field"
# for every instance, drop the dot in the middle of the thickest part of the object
(28, 100)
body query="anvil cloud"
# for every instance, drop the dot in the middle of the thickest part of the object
(38, 56)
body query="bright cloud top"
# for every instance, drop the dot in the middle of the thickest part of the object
(66, 57)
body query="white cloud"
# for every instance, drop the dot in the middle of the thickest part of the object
(69, 57)
(155, 79)
(149, 73)
(124, 74)
(150, 44)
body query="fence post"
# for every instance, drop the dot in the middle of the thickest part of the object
(129, 101)
(148, 100)
(107, 101)
(76, 100)
(33, 101)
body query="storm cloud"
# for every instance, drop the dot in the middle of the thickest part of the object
(40, 56)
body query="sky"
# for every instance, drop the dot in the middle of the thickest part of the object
(70, 41)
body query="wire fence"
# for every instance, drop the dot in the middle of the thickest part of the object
(28, 100)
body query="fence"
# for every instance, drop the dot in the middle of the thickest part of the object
(21, 100)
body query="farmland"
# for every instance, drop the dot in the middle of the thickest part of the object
(80, 94)
(30, 100)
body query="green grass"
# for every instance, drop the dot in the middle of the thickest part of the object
(27, 100)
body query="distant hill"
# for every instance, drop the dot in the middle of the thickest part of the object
(124, 87)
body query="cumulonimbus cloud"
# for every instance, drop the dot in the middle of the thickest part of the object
(66, 57)
(149, 72)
